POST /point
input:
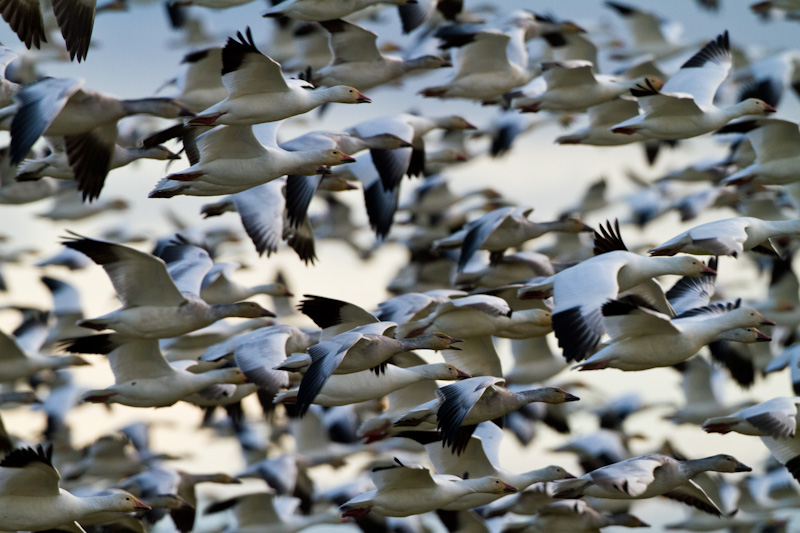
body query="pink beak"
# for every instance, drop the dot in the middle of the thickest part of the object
(363, 99)
(348, 159)
(709, 271)
(141, 506)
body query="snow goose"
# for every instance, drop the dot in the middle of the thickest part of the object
(68, 205)
(479, 459)
(777, 163)
(75, 18)
(153, 305)
(355, 387)
(408, 490)
(475, 315)
(643, 338)
(649, 476)
(503, 228)
(392, 165)
(581, 290)
(57, 165)
(15, 363)
(61, 107)
(314, 10)
(776, 418)
(491, 65)
(143, 377)
(258, 92)
(362, 348)
(357, 61)
(469, 402)
(684, 106)
(258, 511)
(31, 500)
(601, 118)
(576, 516)
(232, 159)
(219, 287)
(282, 339)
(573, 86)
(729, 236)
(652, 36)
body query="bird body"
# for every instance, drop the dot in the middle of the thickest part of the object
(258, 92)
(143, 377)
(649, 476)
(684, 106)
(572, 86)
(346, 389)
(405, 491)
(153, 307)
(233, 160)
(581, 290)
(318, 10)
(647, 339)
(729, 236)
(31, 500)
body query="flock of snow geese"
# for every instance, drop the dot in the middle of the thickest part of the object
(498, 317)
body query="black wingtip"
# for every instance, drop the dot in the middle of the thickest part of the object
(22, 457)
(715, 50)
(608, 239)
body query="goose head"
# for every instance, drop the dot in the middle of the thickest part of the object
(688, 265)
(552, 473)
(454, 122)
(726, 463)
(336, 184)
(752, 106)
(437, 341)
(746, 335)
(345, 94)
(159, 153)
(495, 485)
(574, 225)
(445, 371)
(233, 376)
(754, 317)
(245, 310)
(429, 62)
(332, 157)
(386, 141)
(124, 502)
(549, 395)
(160, 107)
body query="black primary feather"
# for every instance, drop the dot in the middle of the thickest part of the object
(22, 457)
(608, 239)
(234, 52)
(717, 51)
